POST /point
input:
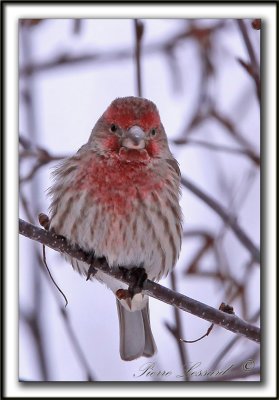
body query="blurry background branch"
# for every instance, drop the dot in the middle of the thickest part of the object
(227, 321)
(139, 31)
(230, 220)
(176, 328)
(217, 147)
(33, 322)
(35, 154)
(68, 60)
(253, 68)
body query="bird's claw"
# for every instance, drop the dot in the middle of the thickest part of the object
(137, 276)
(94, 262)
(122, 294)
(91, 272)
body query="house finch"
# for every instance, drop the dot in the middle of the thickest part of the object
(118, 197)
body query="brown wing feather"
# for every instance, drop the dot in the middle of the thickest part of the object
(174, 165)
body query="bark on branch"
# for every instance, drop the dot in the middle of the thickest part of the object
(227, 321)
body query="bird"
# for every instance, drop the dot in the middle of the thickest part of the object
(118, 198)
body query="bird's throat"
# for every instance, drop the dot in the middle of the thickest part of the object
(133, 155)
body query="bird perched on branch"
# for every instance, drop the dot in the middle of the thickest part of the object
(118, 197)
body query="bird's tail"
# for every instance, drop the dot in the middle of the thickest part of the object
(136, 337)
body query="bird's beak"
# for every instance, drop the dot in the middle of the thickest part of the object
(134, 138)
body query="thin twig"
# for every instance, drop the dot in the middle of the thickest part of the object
(232, 130)
(51, 277)
(28, 319)
(34, 276)
(223, 307)
(199, 338)
(248, 43)
(33, 323)
(227, 321)
(68, 60)
(73, 337)
(253, 59)
(76, 345)
(139, 29)
(226, 217)
(40, 155)
(230, 345)
(177, 330)
(217, 147)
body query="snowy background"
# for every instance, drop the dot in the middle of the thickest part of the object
(69, 72)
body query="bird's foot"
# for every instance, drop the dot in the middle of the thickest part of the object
(94, 262)
(137, 276)
(122, 294)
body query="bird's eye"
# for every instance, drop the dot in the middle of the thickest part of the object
(153, 132)
(113, 128)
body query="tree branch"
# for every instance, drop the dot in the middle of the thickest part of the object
(177, 331)
(219, 147)
(227, 123)
(227, 321)
(65, 59)
(252, 69)
(226, 217)
(139, 29)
